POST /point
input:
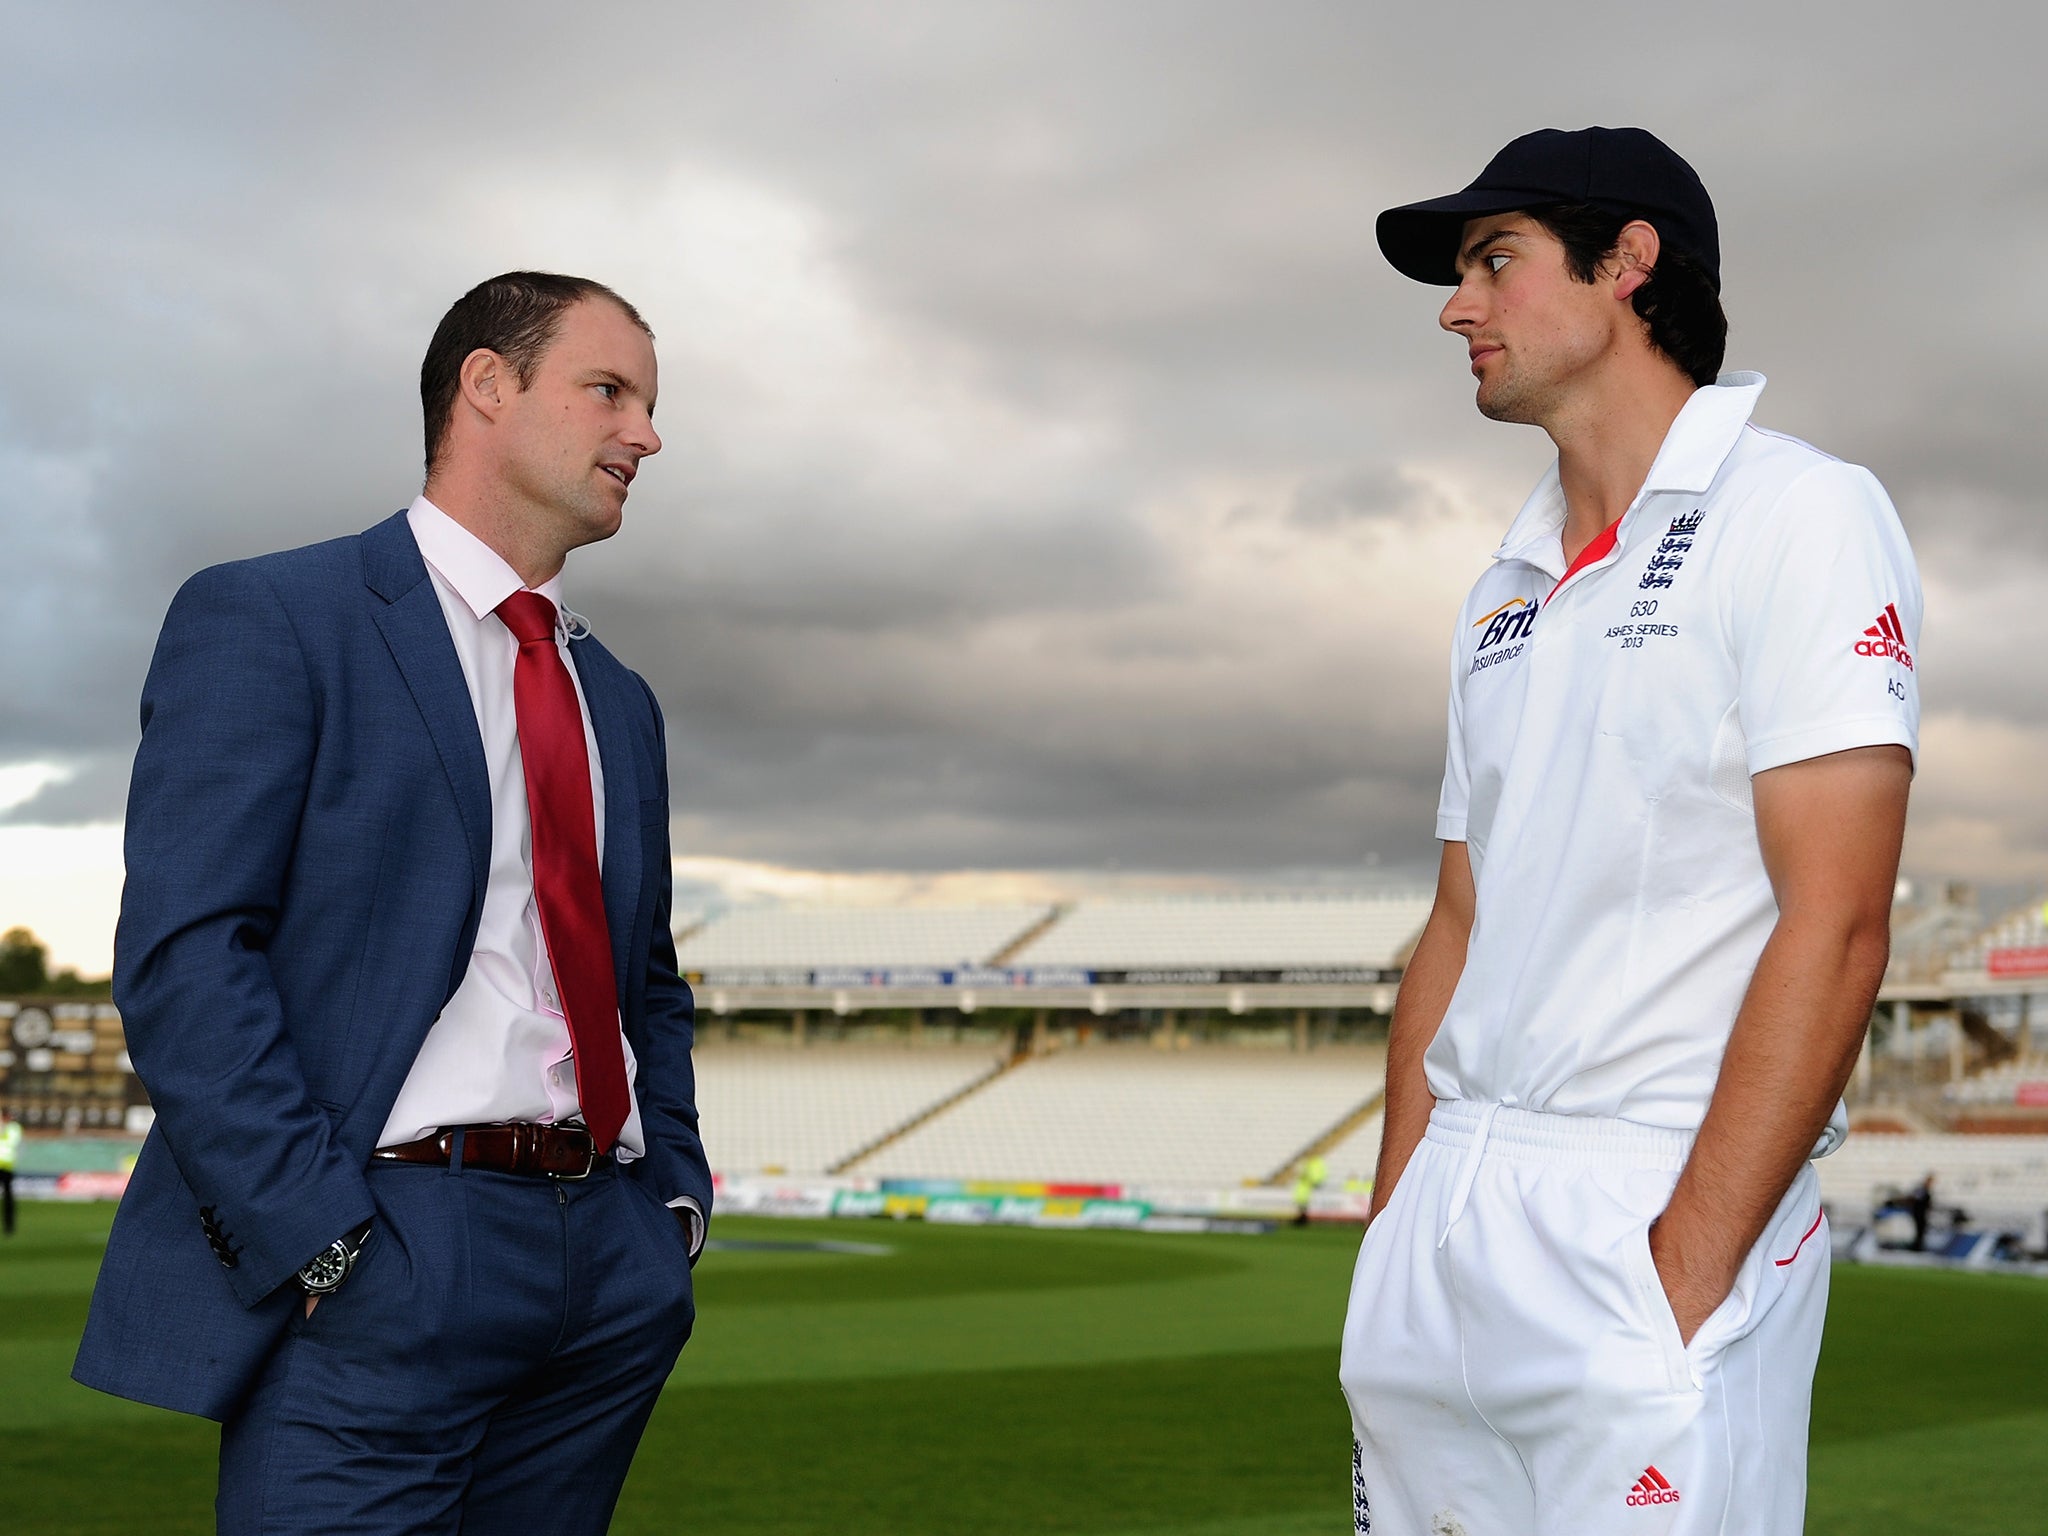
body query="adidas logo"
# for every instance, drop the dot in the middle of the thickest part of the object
(1651, 1488)
(1887, 637)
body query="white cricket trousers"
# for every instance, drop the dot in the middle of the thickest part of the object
(1513, 1366)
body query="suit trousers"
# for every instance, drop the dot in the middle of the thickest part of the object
(488, 1366)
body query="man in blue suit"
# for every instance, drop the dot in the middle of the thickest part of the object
(416, 1218)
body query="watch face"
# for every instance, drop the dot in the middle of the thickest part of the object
(327, 1271)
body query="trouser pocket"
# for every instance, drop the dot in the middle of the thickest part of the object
(1793, 1244)
(1790, 1239)
(1655, 1305)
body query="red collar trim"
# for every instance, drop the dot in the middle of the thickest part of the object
(1599, 549)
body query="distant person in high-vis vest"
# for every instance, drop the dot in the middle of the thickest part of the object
(10, 1154)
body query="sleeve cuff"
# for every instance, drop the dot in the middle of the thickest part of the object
(692, 1217)
(1450, 829)
(1833, 736)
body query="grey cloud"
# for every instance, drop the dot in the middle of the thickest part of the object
(1363, 494)
(980, 596)
(864, 567)
(93, 789)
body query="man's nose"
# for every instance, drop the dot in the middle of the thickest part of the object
(644, 438)
(1462, 309)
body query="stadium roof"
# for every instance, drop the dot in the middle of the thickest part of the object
(1232, 932)
(811, 938)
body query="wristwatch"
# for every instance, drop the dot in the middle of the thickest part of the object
(325, 1273)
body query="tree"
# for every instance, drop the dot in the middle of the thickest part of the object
(24, 962)
(25, 969)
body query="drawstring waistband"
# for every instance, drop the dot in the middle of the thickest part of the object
(1530, 1136)
(1469, 1169)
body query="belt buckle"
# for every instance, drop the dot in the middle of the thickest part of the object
(589, 1161)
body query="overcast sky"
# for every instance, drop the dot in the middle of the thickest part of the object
(1056, 478)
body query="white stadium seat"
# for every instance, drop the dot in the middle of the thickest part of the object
(1991, 1177)
(783, 1109)
(1217, 1116)
(1357, 1154)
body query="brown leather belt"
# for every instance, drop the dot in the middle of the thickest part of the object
(541, 1151)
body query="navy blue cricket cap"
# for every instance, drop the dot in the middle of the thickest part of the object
(1627, 171)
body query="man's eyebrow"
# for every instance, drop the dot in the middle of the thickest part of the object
(628, 386)
(1473, 251)
(613, 376)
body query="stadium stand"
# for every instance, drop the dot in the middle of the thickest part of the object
(1929, 927)
(1130, 1114)
(2015, 945)
(2023, 1080)
(1232, 933)
(1356, 1154)
(775, 1108)
(1993, 1177)
(815, 938)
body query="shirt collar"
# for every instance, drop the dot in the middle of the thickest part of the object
(1704, 434)
(477, 573)
(1534, 534)
(1698, 444)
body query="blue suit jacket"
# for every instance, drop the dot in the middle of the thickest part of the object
(309, 829)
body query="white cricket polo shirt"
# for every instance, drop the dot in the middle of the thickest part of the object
(1757, 605)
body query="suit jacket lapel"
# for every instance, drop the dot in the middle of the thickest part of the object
(612, 697)
(416, 630)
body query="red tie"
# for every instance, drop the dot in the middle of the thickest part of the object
(566, 887)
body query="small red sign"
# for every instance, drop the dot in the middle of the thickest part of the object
(2029, 961)
(2031, 1095)
(97, 1185)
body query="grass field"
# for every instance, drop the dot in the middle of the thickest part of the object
(1002, 1380)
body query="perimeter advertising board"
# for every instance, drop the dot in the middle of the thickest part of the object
(855, 978)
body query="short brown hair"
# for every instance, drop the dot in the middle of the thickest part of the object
(514, 315)
(1680, 302)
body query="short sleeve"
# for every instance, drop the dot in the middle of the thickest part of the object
(1825, 618)
(1454, 803)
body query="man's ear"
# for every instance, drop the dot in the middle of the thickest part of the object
(486, 382)
(1636, 250)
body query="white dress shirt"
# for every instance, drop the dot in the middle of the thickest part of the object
(500, 1048)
